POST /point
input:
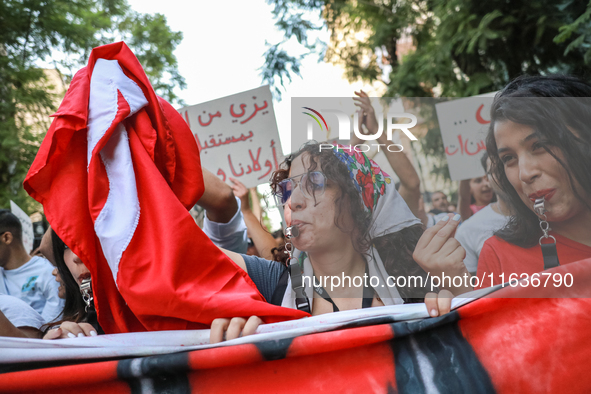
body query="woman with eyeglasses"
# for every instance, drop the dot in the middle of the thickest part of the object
(351, 222)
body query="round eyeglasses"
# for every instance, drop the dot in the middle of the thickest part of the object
(311, 184)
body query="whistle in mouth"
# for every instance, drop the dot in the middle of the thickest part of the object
(539, 207)
(292, 232)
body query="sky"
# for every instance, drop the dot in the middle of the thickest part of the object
(222, 52)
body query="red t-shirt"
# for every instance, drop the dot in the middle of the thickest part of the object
(500, 257)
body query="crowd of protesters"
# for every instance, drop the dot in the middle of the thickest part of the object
(535, 150)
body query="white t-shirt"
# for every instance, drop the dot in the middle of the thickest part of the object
(231, 236)
(19, 313)
(34, 284)
(476, 230)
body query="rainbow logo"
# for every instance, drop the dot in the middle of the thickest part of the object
(315, 118)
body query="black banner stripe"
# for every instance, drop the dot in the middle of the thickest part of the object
(161, 374)
(434, 353)
(274, 350)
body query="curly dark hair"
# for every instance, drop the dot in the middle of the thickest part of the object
(395, 249)
(550, 105)
(348, 200)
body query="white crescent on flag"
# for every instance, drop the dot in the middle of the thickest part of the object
(118, 219)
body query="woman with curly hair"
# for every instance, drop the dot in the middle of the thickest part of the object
(352, 223)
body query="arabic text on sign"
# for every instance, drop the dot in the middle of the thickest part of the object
(465, 147)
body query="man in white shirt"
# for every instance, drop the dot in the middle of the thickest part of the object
(482, 225)
(27, 278)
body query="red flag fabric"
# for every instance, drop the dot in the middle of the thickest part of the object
(501, 345)
(116, 174)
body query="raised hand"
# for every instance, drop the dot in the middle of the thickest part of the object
(440, 254)
(367, 114)
(242, 193)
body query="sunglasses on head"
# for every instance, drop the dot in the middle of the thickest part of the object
(311, 184)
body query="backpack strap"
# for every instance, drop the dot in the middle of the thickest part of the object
(550, 255)
(297, 284)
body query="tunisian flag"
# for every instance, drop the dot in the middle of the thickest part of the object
(116, 174)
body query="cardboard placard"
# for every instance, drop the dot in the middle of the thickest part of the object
(464, 124)
(237, 136)
(28, 236)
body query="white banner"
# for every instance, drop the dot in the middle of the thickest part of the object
(15, 350)
(28, 236)
(237, 136)
(464, 124)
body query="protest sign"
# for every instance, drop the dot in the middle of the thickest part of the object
(237, 136)
(464, 124)
(27, 224)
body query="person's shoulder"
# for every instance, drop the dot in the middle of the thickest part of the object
(41, 262)
(506, 250)
(9, 301)
(482, 215)
(492, 246)
(35, 264)
(468, 226)
(259, 261)
(569, 243)
(264, 273)
(483, 223)
(491, 255)
(496, 242)
(20, 313)
(484, 210)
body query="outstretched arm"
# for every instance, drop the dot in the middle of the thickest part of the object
(217, 200)
(263, 241)
(7, 329)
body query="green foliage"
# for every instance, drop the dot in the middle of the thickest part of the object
(460, 47)
(264, 203)
(62, 33)
(278, 67)
(580, 26)
(153, 43)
